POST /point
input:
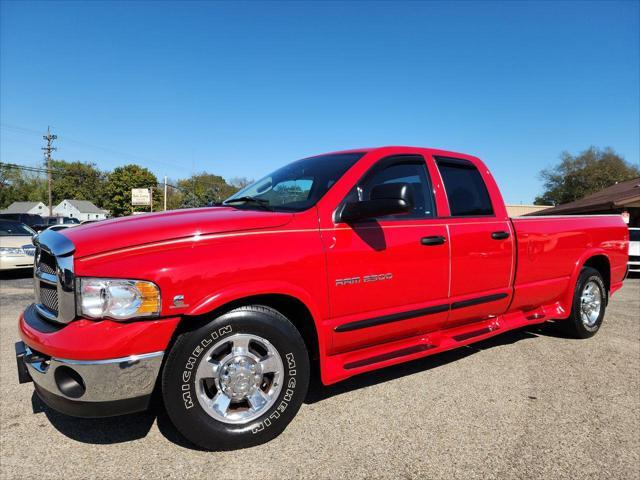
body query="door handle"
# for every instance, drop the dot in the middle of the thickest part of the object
(500, 235)
(433, 240)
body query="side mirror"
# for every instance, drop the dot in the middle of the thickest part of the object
(386, 199)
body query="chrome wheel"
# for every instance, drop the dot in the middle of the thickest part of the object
(590, 304)
(239, 378)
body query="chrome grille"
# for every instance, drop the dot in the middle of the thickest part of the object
(29, 250)
(46, 262)
(49, 297)
(54, 281)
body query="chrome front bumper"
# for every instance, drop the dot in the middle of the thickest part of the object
(103, 383)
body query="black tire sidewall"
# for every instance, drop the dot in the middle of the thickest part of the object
(586, 275)
(179, 389)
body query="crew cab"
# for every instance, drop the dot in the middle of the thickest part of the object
(339, 264)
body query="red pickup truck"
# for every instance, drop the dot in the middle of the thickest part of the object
(340, 263)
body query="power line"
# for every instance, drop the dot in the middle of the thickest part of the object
(110, 151)
(26, 168)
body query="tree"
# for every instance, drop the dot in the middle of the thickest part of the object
(19, 186)
(118, 189)
(204, 189)
(78, 181)
(586, 173)
(240, 182)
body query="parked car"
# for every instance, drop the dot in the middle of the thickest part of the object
(634, 250)
(49, 221)
(28, 219)
(61, 226)
(340, 263)
(16, 245)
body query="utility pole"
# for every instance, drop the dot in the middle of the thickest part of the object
(151, 199)
(47, 156)
(165, 193)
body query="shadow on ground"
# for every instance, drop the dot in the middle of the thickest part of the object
(319, 392)
(135, 426)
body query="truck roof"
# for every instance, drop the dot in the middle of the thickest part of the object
(436, 151)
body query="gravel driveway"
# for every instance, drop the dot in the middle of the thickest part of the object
(529, 403)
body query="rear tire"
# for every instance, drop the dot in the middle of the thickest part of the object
(589, 304)
(238, 380)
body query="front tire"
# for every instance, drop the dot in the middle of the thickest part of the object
(238, 380)
(589, 304)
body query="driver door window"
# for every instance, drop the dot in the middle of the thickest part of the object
(412, 172)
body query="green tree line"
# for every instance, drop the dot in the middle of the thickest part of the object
(111, 190)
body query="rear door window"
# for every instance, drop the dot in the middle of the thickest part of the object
(466, 191)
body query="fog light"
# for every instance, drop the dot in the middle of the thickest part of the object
(69, 382)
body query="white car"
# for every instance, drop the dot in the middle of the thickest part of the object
(634, 250)
(16, 245)
(62, 226)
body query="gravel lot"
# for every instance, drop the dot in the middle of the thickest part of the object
(525, 404)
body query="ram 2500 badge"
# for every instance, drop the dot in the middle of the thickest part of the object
(340, 263)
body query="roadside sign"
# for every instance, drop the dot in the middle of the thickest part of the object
(140, 196)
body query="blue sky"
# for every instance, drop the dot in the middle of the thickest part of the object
(239, 89)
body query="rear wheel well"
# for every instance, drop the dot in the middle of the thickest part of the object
(601, 263)
(292, 308)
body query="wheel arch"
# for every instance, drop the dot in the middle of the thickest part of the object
(601, 263)
(300, 313)
(597, 259)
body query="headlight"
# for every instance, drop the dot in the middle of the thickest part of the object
(117, 299)
(8, 251)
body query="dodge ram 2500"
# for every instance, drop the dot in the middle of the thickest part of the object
(339, 264)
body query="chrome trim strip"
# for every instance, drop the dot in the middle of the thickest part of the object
(46, 277)
(130, 358)
(45, 312)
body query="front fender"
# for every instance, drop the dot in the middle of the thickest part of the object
(232, 293)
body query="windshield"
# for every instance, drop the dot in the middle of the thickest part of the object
(297, 186)
(14, 229)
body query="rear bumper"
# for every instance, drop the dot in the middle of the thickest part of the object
(98, 388)
(634, 266)
(15, 262)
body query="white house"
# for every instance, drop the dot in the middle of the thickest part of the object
(36, 208)
(80, 209)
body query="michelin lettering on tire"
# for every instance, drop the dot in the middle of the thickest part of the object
(193, 358)
(284, 403)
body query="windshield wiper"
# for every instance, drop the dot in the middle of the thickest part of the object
(247, 199)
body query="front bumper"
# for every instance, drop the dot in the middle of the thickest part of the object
(86, 368)
(91, 388)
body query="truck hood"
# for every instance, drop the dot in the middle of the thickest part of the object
(150, 228)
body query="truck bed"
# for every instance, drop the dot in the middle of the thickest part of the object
(548, 248)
